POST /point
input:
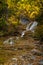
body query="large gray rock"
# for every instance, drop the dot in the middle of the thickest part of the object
(24, 20)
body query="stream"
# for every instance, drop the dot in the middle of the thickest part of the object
(22, 55)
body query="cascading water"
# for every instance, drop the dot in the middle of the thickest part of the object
(9, 41)
(31, 28)
(28, 26)
(23, 33)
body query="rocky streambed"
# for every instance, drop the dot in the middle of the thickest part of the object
(22, 52)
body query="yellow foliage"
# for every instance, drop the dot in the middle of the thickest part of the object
(36, 8)
(23, 0)
(13, 20)
(9, 3)
(35, 11)
(33, 14)
(27, 7)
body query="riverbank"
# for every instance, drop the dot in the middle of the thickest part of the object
(22, 49)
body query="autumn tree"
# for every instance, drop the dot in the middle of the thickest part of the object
(12, 10)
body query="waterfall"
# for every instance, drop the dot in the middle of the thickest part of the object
(30, 27)
(23, 33)
(33, 26)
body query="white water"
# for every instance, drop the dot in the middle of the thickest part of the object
(9, 41)
(23, 33)
(30, 28)
(33, 26)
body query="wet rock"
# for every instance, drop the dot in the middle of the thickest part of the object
(20, 48)
(37, 42)
(36, 52)
(30, 64)
(33, 57)
(41, 62)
